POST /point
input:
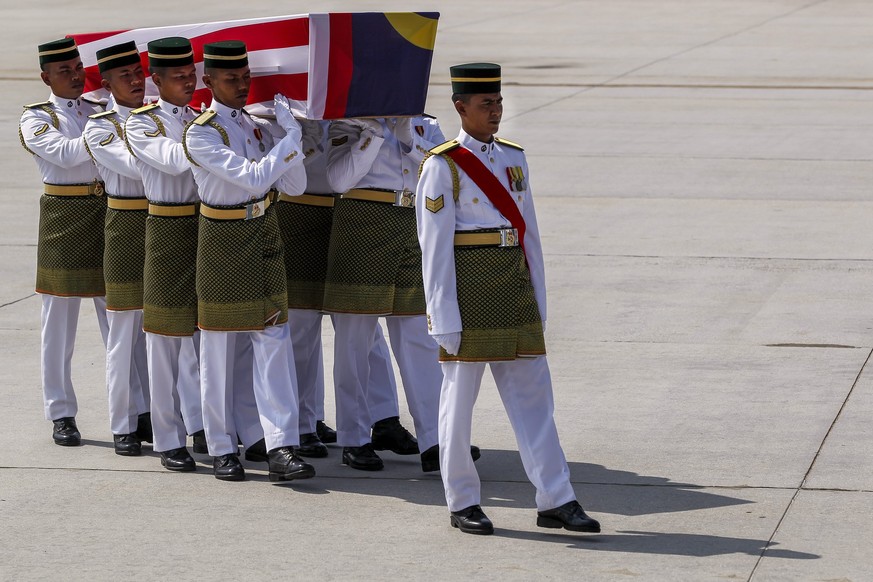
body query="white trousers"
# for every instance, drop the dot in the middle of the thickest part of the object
(174, 379)
(274, 385)
(417, 357)
(126, 383)
(60, 319)
(309, 363)
(525, 387)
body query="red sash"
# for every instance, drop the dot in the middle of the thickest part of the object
(491, 186)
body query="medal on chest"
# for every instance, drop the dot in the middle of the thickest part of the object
(259, 136)
(517, 181)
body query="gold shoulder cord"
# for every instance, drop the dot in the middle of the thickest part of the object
(218, 128)
(154, 118)
(456, 180)
(55, 122)
(87, 149)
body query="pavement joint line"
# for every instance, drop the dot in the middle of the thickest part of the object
(668, 57)
(16, 301)
(715, 257)
(809, 469)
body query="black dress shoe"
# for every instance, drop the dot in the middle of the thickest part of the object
(199, 445)
(389, 434)
(257, 453)
(228, 468)
(311, 446)
(325, 434)
(363, 458)
(144, 427)
(472, 520)
(127, 445)
(430, 459)
(178, 460)
(285, 465)
(568, 516)
(65, 432)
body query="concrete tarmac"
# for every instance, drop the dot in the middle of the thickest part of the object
(702, 172)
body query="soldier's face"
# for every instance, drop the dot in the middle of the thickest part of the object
(230, 87)
(127, 85)
(481, 114)
(176, 84)
(66, 78)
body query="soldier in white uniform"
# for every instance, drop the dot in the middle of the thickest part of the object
(72, 212)
(241, 285)
(486, 303)
(374, 269)
(154, 136)
(125, 242)
(305, 222)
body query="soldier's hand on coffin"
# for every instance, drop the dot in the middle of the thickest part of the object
(312, 129)
(451, 342)
(403, 131)
(285, 118)
(371, 125)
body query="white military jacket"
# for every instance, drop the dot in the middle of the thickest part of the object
(439, 215)
(315, 149)
(104, 137)
(360, 159)
(154, 134)
(59, 151)
(245, 170)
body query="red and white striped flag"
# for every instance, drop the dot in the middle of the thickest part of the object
(327, 65)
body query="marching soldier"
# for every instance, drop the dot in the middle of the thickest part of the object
(240, 280)
(374, 269)
(154, 135)
(124, 252)
(305, 222)
(72, 213)
(486, 303)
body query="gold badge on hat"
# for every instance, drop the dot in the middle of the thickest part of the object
(434, 205)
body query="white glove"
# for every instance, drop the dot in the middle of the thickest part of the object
(313, 129)
(285, 118)
(403, 131)
(366, 124)
(451, 342)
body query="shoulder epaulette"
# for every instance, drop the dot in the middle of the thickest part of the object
(444, 147)
(102, 114)
(506, 142)
(204, 117)
(94, 102)
(144, 108)
(40, 104)
(428, 116)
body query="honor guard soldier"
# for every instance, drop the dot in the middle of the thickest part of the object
(374, 268)
(305, 223)
(124, 252)
(241, 283)
(72, 211)
(486, 303)
(154, 136)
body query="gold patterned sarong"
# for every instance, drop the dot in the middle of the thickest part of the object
(374, 261)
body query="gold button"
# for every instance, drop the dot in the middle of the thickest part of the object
(248, 141)
(492, 160)
(519, 197)
(405, 171)
(475, 201)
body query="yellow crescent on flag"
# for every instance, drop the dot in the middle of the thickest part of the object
(417, 29)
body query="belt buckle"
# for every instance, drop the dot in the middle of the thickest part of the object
(255, 209)
(509, 237)
(98, 188)
(404, 198)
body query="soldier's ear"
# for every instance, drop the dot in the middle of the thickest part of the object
(156, 79)
(461, 108)
(45, 78)
(207, 80)
(105, 83)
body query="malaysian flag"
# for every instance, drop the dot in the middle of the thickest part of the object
(328, 65)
